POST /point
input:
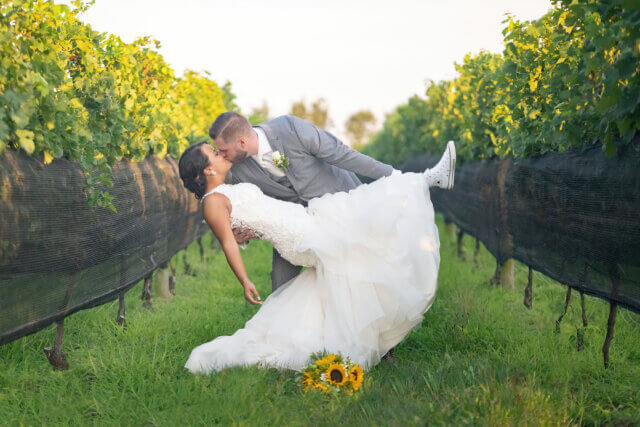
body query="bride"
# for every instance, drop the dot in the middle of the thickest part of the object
(371, 258)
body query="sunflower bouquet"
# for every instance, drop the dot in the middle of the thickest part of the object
(332, 373)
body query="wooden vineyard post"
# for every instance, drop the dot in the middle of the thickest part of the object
(215, 245)
(566, 305)
(460, 251)
(584, 312)
(146, 292)
(507, 274)
(187, 267)
(495, 280)
(172, 279)
(506, 271)
(121, 306)
(475, 252)
(611, 321)
(583, 279)
(580, 330)
(56, 354)
(201, 248)
(613, 310)
(450, 228)
(120, 320)
(504, 274)
(162, 281)
(528, 291)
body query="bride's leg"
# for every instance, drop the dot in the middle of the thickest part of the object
(442, 174)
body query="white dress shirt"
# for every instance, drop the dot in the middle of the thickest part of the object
(265, 148)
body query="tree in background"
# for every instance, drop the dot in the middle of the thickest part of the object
(259, 114)
(229, 97)
(317, 113)
(359, 127)
(299, 109)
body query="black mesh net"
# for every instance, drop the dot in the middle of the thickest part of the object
(58, 256)
(573, 216)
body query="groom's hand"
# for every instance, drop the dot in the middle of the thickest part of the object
(251, 294)
(243, 235)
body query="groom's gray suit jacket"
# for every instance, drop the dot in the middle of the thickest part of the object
(319, 163)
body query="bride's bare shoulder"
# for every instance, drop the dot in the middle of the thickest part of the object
(216, 205)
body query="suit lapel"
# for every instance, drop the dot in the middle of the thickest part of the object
(274, 141)
(250, 171)
(276, 145)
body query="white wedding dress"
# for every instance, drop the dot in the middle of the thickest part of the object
(372, 258)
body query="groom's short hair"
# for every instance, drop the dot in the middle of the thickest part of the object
(229, 126)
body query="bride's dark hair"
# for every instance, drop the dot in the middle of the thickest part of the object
(191, 164)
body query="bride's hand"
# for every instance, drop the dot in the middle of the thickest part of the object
(251, 293)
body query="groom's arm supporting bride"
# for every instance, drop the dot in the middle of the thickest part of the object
(325, 146)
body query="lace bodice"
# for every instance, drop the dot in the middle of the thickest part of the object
(281, 223)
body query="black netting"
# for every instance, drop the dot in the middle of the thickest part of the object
(572, 216)
(58, 256)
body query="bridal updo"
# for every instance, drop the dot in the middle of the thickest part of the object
(191, 166)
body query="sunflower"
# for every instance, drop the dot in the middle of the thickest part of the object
(336, 374)
(356, 374)
(319, 386)
(307, 381)
(327, 360)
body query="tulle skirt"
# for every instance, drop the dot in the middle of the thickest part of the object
(377, 250)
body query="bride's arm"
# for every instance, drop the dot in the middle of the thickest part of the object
(217, 211)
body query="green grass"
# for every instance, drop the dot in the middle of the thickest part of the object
(480, 357)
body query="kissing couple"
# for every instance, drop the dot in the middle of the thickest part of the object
(355, 266)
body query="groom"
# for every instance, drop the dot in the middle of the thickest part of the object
(309, 162)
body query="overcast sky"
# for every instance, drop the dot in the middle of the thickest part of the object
(357, 54)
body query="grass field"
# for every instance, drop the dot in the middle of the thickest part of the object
(480, 358)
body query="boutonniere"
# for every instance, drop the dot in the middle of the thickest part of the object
(280, 161)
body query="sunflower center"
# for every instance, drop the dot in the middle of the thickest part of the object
(336, 376)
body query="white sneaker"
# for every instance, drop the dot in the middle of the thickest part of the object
(442, 174)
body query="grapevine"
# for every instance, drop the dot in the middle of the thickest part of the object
(69, 91)
(565, 81)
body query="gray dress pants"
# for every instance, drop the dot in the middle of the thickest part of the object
(282, 271)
